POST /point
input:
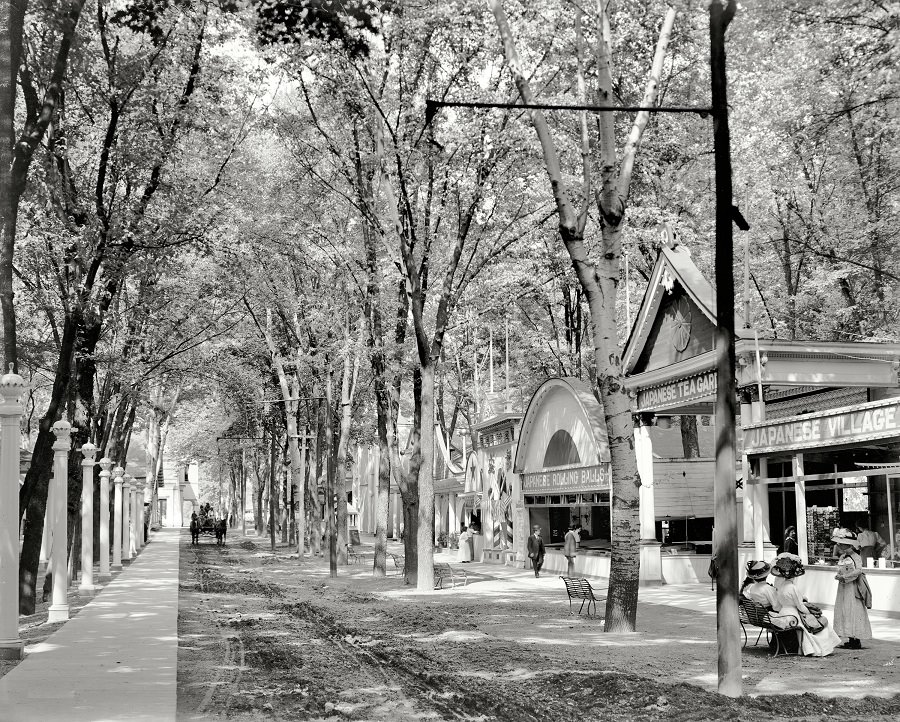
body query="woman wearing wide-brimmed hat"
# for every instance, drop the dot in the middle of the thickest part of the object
(757, 589)
(817, 638)
(851, 619)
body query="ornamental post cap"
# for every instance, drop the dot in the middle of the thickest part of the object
(12, 381)
(62, 426)
(105, 463)
(118, 472)
(89, 451)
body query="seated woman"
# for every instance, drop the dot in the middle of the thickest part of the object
(755, 587)
(817, 638)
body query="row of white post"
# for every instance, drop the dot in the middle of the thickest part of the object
(127, 532)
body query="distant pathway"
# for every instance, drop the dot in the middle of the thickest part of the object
(117, 660)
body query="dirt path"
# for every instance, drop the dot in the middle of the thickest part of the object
(269, 637)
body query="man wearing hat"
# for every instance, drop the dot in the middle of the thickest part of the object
(851, 619)
(536, 551)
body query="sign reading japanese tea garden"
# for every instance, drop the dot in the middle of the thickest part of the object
(876, 420)
(677, 392)
(585, 478)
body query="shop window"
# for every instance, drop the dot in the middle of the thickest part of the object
(561, 450)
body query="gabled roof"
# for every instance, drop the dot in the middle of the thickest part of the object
(672, 264)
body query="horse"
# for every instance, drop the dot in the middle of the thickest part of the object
(195, 531)
(221, 530)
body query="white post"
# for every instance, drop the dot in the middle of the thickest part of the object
(761, 537)
(651, 557)
(118, 510)
(126, 518)
(59, 609)
(46, 536)
(800, 503)
(177, 519)
(105, 465)
(750, 490)
(12, 386)
(453, 522)
(142, 501)
(87, 588)
(128, 550)
(137, 514)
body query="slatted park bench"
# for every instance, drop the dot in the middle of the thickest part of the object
(581, 589)
(399, 564)
(754, 614)
(443, 572)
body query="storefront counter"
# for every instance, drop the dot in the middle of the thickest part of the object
(819, 586)
(588, 562)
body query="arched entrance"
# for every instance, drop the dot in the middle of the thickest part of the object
(563, 461)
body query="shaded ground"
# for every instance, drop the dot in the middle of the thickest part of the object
(271, 637)
(34, 629)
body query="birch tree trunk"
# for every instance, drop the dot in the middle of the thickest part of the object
(599, 283)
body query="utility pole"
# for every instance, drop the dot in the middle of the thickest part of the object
(727, 622)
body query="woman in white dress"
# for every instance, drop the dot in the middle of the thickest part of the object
(817, 638)
(851, 619)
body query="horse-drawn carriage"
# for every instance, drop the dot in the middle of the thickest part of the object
(208, 525)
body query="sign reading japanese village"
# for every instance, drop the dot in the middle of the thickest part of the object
(678, 392)
(586, 478)
(876, 420)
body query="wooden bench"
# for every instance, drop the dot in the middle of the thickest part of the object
(399, 564)
(443, 571)
(581, 589)
(353, 556)
(757, 615)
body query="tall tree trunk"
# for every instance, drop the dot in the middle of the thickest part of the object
(15, 157)
(425, 531)
(690, 441)
(329, 475)
(349, 377)
(12, 19)
(600, 283)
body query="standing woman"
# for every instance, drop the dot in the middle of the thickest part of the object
(789, 546)
(851, 619)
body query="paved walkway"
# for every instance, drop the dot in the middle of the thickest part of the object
(115, 661)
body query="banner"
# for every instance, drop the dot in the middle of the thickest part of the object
(677, 393)
(878, 420)
(586, 478)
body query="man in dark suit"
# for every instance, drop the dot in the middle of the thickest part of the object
(536, 551)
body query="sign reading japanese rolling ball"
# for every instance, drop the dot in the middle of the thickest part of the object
(583, 479)
(676, 393)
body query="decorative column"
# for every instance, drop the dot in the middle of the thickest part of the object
(12, 386)
(800, 502)
(118, 510)
(651, 556)
(105, 465)
(453, 522)
(763, 548)
(87, 588)
(46, 535)
(138, 515)
(748, 506)
(177, 519)
(127, 509)
(59, 609)
(139, 506)
(126, 517)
